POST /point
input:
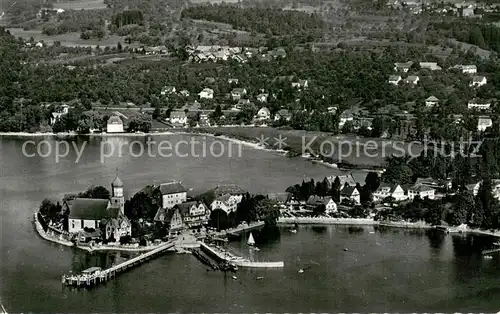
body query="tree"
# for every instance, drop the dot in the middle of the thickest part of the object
(320, 209)
(461, 210)
(144, 204)
(140, 123)
(335, 190)
(372, 181)
(98, 192)
(49, 209)
(219, 220)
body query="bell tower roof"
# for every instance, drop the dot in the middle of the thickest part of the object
(117, 182)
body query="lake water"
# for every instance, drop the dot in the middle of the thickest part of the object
(388, 270)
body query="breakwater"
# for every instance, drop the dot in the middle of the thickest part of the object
(225, 256)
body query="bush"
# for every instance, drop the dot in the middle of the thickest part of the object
(125, 240)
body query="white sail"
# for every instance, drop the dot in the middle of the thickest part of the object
(250, 241)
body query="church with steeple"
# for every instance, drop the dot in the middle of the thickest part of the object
(117, 197)
(100, 215)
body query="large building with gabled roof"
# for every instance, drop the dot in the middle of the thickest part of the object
(172, 193)
(96, 214)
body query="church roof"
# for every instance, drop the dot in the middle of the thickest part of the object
(117, 182)
(89, 209)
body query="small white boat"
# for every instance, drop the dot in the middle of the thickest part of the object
(293, 231)
(259, 278)
(251, 240)
(371, 232)
(234, 277)
(488, 257)
(300, 271)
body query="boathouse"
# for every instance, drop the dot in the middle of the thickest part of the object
(115, 125)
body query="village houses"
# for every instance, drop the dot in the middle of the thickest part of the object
(412, 79)
(283, 114)
(395, 79)
(345, 116)
(350, 193)
(314, 201)
(238, 93)
(178, 118)
(300, 84)
(172, 193)
(62, 110)
(431, 101)
(166, 90)
(478, 81)
(483, 123)
(114, 125)
(194, 214)
(206, 93)
(263, 114)
(403, 67)
(478, 104)
(262, 97)
(433, 66)
(470, 69)
(421, 191)
(389, 190)
(227, 198)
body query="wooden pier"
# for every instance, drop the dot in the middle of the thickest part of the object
(94, 275)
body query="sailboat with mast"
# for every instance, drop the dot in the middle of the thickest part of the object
(251, 242)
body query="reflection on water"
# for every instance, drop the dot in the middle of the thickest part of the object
(319, 229)
(355, 229)
(436, 238)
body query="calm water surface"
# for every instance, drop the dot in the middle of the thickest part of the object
(383, 270)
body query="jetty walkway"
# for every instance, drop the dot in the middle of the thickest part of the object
(239, 229)
(93, 276)
(225, 256)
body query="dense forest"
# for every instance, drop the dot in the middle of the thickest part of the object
(128, 17)
(263, 20)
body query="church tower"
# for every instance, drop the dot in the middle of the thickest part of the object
(117, 198)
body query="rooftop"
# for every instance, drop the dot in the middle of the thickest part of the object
(89, 209)
(115, 120)
(172, 188)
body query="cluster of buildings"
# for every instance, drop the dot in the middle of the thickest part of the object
(177, 213)
(404, 67)
(475, 81)
(224, 53)
(102, 218)
(156, 50)
(455, 9)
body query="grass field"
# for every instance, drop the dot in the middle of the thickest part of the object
(352, 148)
(80, 5)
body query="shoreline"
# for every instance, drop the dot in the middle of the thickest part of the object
(250, 144)
(43, 234)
